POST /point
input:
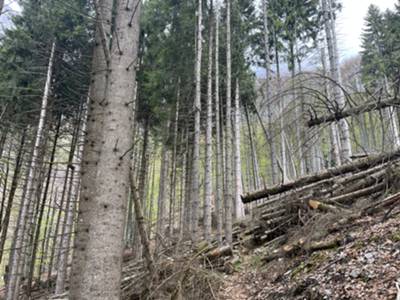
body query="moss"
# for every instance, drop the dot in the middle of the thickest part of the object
(395, 236)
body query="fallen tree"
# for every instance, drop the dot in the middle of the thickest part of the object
(339, 115)
(301, 182)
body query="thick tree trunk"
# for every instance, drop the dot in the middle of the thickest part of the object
(17, 259)
(239, 207)
(98, 251)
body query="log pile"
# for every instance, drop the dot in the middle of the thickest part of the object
(335, 191)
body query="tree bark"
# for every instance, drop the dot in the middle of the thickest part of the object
(218, 151)
(228, 130)
(195, 190)
(239, 208)
(99, 238)
(267, 95)
(92, 146)
(208, 141)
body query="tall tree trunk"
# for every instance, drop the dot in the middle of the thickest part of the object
(218, 151)
(99, 239)
(228, 129)
(91, 151)
(208, 142)
(338, 95)
(267, 95)
(142, 187)
(17, 259)
(239, 208)
(195, 192)
(173, 176)
(283, 164)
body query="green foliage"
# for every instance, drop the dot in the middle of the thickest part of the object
(381, 48)
(24, 54)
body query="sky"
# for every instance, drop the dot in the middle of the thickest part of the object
(351, 22)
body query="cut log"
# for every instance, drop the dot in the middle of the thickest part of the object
(324, 207)
(347, 168)
(219, 252)
(352, 112)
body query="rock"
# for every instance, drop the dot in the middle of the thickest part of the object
(370, 257)
(355, 273)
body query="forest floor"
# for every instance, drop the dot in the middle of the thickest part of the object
(366, 267)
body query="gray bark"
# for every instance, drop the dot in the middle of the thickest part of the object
(228, 130)
(195, 190)
(91, 151)
(98, 252)
(239, 208)
(267, 95)
(208, 145)
(218, 150)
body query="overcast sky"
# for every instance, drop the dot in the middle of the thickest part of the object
(351, 23)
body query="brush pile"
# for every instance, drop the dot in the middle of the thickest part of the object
(286, 213)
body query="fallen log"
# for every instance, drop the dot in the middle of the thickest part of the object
(301, 245)
(387, 202)
(337, 116)
(357, 194)
(347, 168)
